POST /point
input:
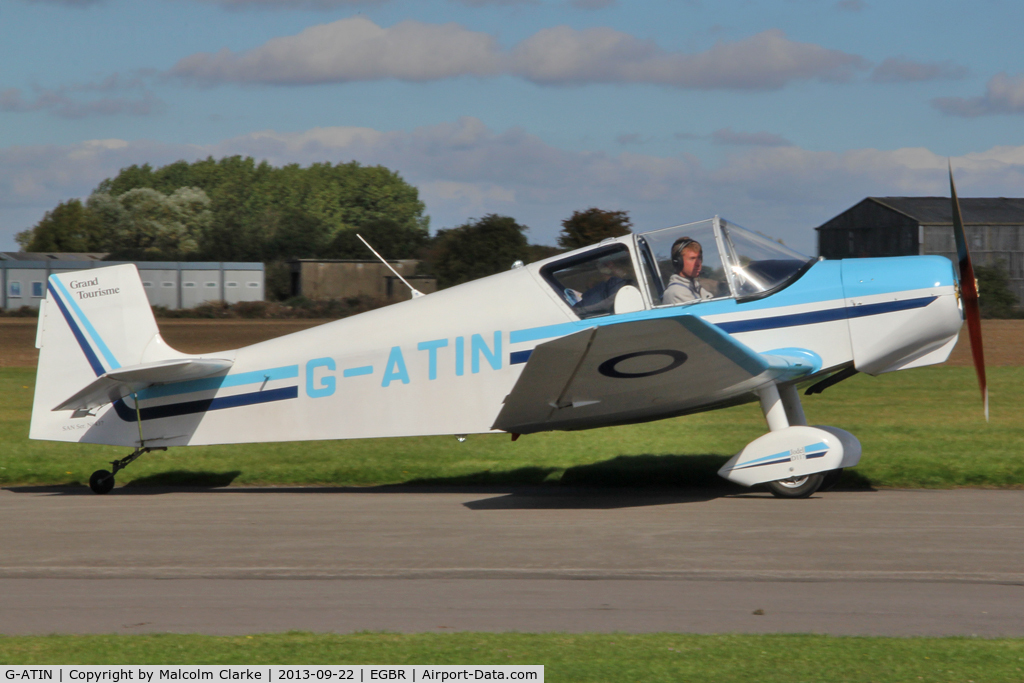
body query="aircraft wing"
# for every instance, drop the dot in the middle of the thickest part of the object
(639, 370)
(119, 383)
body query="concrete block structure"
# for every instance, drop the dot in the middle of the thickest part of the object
(344, 278)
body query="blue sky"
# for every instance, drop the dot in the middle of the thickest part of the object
(776, 115)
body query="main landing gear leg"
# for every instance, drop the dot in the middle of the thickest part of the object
(781, 407)
(102, 481)
(794, 459)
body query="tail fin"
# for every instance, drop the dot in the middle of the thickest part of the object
(91, 323)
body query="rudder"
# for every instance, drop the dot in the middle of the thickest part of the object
(90, 323)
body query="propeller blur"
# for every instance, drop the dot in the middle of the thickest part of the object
(969, 293)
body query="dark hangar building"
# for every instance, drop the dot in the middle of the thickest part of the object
(901, 226)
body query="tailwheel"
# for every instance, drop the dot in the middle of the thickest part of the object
(101, 481)
(796, 487)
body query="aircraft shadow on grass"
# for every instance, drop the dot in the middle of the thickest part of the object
(182, 479)
(163, 482)
(622, 481)
(635, 481)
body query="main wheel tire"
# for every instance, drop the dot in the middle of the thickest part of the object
(831, 478)
(796, 487)
(101, 482)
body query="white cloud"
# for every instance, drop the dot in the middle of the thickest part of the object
(487, 3)
(353, 49)
(592, 4)
(70, 3)
(79, 100)
(356, 49)
(473, 199)
(1003, 95)
(465, 169)
(905, 70)
(62, 105)
(43, 175)
(291, 4)
(765, 61)
(333, 4)
(629, 139)
(851, 5)
(728, 136)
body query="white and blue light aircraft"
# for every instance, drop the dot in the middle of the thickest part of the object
(545, 346)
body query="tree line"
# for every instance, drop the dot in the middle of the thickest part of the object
(237, 209)
(231, 209)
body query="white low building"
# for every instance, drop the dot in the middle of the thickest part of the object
(171, 284)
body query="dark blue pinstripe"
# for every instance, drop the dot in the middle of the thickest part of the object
(90, 355)
(205, 405)
(825, 316)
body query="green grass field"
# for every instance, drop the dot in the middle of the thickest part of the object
(919, 428)
(567, 657)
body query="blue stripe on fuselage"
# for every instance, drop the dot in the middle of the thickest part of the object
(214, 383)
(822, 284)
(766, 323)
(549, 331)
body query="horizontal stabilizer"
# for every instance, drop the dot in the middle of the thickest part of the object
(122, 382)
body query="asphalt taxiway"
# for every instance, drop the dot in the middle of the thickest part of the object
(242, 560)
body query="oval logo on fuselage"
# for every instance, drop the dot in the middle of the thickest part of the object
(610, 368)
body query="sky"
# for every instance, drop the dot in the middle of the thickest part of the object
(775, 115)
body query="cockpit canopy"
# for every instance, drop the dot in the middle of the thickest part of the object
(736, 262)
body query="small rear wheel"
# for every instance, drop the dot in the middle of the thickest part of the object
(101, 482)
(796, 487)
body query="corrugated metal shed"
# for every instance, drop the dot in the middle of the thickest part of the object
(174, 284)
(897, 226)
(977, 210)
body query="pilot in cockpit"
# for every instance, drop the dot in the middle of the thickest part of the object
(684, 285)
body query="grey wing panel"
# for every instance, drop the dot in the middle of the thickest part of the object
(629, 372)
(547, 377)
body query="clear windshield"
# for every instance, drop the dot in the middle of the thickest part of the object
(757, 263)
(734, 262)
(656, 246)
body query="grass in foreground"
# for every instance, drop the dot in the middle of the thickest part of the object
(919, 428)
(566, 657)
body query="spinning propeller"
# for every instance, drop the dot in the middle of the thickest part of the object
(969, 293)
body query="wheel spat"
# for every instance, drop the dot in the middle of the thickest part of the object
(969, 293)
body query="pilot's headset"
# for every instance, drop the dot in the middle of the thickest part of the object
(677, 252)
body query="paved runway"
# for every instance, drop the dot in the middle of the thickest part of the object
(231, 561)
